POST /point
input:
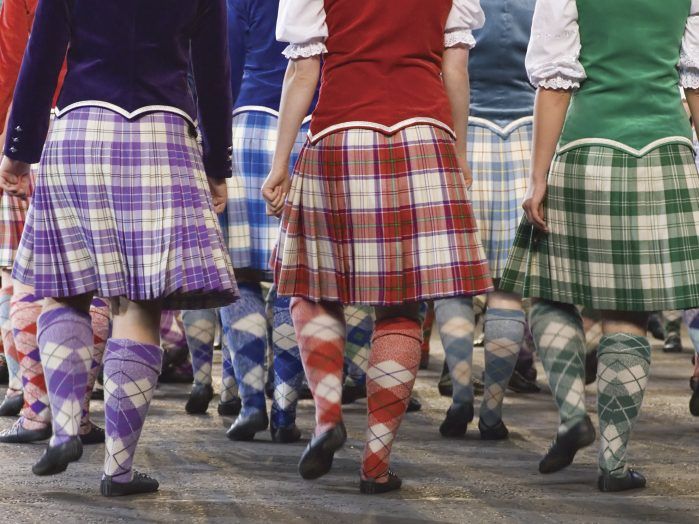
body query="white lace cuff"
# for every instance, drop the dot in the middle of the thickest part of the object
(558, 82)
(295, 51)
(689, 78)
(460, 37)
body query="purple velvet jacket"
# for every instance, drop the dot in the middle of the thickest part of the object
(131, 54)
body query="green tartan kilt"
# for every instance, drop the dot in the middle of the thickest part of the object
(623, 236)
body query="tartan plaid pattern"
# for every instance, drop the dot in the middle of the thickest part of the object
(379, 220)
(624, 232)
(250, 233)
(13, 212)
(122, 208)
(500, 169)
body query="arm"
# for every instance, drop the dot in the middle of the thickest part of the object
(456, 83)
(212, 76)
(301, 23)
(29, 120)
(693, 103)
(300, 84)
(550, 111)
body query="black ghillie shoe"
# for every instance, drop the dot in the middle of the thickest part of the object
(694, 400)
(199, 398)
(141, 483)
(414, 405)
(285, 435)
(655, 326)
(457, 420)
(351, 392)
(17, 434)
(497, 432)
(245, 427)
(590, 367)
(372, 487)
(11, 406)
(563, 450)
(55, 459)
(230, 408)
(4, 372)
(673, 344)
(632, 480)
(444, 386)
(317, 458)
(94, 436)
(521, 384)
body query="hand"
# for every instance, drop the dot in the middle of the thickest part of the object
(15, 177)
(275, 189)
(219, 193)
(466, 170)
(534, 203)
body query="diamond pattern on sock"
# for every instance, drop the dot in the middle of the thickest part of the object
(393, 365)
(360, 325)
(287, 365)
(65, 340)
(200, 328)
(560, 340)
(229, 386)
(320, 330)
(14, 386)
(101, 327)
(130, 376)
(624, 366)
(455, 321)
(245, 333)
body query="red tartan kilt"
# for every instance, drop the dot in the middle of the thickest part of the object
(13, 213)
(381, 220)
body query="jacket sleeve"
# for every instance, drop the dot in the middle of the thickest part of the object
(212, 76)
(238, 28)
(38, 77)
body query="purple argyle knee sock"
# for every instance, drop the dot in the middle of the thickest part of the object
(130, 374)
(65, 343)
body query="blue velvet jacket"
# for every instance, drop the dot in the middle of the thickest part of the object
(500, 89)
(134, 56)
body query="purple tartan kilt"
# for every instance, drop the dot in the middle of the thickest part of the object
(122, 208)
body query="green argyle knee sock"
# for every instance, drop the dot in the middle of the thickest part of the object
(673, 322)
(624, 366)
(455, 322)
(560, 340)
(504, 332)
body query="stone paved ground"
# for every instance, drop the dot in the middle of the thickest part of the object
(206, 478)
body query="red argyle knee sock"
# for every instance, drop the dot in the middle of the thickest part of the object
(320, 331)
(393, 365)
(25, 309)
(99, 314)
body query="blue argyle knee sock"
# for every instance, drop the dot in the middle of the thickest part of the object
(287, 365)
(360, 326)
(200, 327)
(504, 332)
(455, 322)
(691, 319)
(229, 386)
(245, 331)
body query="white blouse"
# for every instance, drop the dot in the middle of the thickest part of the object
(301, 23)
(553, 57)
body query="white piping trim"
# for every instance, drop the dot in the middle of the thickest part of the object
(389, 130)
(123, 112)
(623, 147)
(263, 109)
(502, 131)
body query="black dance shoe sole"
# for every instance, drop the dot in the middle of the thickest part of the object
(562, 452)
(632, 480)
(55, 459)
(141, 483)
(371, 487)
(317, 458)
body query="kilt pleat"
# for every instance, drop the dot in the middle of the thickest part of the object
(123, 208)
(500, 166)
(624, 232)
(13, 214)
(249, 232)
(381, 220)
